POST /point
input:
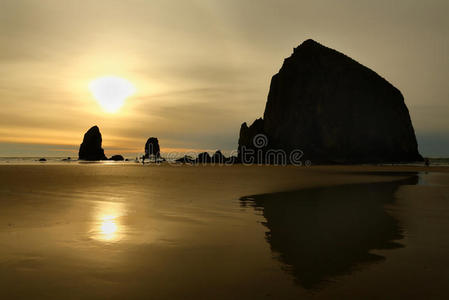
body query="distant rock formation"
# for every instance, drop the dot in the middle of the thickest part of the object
(117, 158)
(231, 160)
(204, 157)
(91, 149)
(152, 148)
(185, 160)
(218, 157)
(334, 110)
(42, 159)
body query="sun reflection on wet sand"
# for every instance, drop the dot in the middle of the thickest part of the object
(107, 225)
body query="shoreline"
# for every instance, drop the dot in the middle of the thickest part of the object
(243, 179)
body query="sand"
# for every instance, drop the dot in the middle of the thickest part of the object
(120, 231)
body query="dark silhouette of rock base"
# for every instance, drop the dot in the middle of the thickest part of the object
(334, 110)
(91, 149)
(185, 160)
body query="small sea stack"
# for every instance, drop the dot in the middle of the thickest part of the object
(91, 149)
(152, 148)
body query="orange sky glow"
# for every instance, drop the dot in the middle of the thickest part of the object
(199, 68)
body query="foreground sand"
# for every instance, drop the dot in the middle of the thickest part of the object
(132, 231)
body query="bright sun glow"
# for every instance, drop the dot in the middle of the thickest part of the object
(111, 92)
(108, 227)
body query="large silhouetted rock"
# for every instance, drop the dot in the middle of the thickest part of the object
(334, 110)
(152, 148)
(91, 149)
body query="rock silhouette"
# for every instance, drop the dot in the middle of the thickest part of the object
(204, 157)
(334, 110)
(91, 149)
(185, 160)
(152, 148)
(218, 157)
(247, 135)
(117, 157)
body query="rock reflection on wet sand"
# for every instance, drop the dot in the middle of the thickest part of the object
(322, 233)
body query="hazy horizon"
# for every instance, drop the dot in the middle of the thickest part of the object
(200, 68)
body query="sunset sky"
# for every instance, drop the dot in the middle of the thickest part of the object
(199, 68)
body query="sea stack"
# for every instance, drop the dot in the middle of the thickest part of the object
(91, 149)
(334, 110)
(152, 148)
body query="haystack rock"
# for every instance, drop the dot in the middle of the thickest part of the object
(334, 110)
(152, 148)
(91, 149)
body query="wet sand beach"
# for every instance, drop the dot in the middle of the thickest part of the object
(125, 231)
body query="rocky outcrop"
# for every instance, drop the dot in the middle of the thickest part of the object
(203, 157)
(117, 158)
(247, 137)
(152, 148)
(334, 110)
(91, 149)
(231, 160)
(218, 157)
(185, 160)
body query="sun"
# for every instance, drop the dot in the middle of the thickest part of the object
(111, 92)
